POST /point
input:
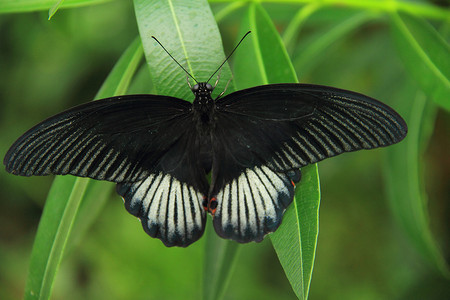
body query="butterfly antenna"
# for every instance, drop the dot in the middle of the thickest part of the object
(175, 59)
(229, 55)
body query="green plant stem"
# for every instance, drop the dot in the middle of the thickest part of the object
(37, 5)
(294, 26)
(418, 9)
(227, 10)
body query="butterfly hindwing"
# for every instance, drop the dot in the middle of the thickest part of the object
(116, 139)
(169, 209)
(169, 202)
(252, 205)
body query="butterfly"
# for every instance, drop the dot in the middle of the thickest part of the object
(160, 149)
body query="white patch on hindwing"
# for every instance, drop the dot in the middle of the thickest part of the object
(252, 204)
(169, 209)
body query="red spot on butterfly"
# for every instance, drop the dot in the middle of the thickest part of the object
(205, 203)
(212, 206)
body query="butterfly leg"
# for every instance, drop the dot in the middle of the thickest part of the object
(218, 77)
(189, 84)
(223, 92)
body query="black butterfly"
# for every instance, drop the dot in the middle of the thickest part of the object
(159, 150)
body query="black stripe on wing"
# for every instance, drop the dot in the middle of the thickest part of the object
(252, 205)
(116, 139)
(292, 125)
(169, 209)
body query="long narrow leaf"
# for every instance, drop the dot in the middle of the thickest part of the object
(304, 218)
(404, 181)
(297, 22)
(425, 55)
(264, 60)
(54, 8)
(97, 192)
(418, 8)
(198, 48)
(15, 6)
(61, 209)
(220, 259)
(309, 55)
(120, 77)
(54, 227)
(228, 10)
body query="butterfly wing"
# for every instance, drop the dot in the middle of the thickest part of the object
(264, 134)
(116, 139)
(252, 204)
(294, 125)
(146, 143)
(169, 201)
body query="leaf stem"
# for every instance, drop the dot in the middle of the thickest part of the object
(418, 9)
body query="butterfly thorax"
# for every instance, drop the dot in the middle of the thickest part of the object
(203, 104)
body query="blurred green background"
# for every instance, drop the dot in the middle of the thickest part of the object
(362, 253)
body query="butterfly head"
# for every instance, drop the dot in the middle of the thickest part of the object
(202, 89)
(202, 92)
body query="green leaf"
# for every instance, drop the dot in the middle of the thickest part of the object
(187, 29)
(418, 8)
(295, 241)
(297, 22)
(311, 54)
(405, 185)
(263, 59)
(98, 192)
(425, 55)
(219, 262)
(15, 6)
(120, 76)
(228, 10)
(54, 8)
(63, 202)
(54, 227)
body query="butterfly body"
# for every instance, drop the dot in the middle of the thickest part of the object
(203, 104)
(160, 149)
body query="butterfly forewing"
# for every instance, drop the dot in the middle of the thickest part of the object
(309, 123)
(116, 139)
